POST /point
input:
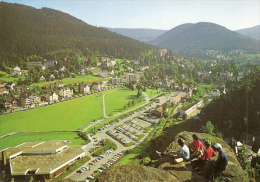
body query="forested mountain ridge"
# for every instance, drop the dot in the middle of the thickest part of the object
(253, 32)
(189, 39)
(140, 34)
(26, 31)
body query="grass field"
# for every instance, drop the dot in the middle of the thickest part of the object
(151, 92)
(115, 101)
(68, 115)
(8, 78)
(78, 79)
(17, 139)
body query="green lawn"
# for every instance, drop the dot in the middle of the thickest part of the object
(8, 78)
(115, 101)
(96, 70)
(151, 92)
(68, 115)
(17, 139)
(78, 79)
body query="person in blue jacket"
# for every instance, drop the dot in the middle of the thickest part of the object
(222, 161)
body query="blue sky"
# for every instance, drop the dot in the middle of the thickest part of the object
(156, 14)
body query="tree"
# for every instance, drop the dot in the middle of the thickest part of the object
(209, 128)
(206, 100)
(31, 179)
(146, 160)
(185, 116)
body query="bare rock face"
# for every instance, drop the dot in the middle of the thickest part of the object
(129, 173)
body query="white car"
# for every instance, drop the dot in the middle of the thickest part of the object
(90, 177)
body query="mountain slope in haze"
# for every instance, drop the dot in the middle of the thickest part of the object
(192, 38)
(28, 31)
(253, 32)
(143, 35)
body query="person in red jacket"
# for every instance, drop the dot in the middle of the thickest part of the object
(208, 153)
(196, 146)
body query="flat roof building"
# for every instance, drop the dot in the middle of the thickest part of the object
(40, 159)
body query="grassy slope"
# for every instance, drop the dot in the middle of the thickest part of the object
(151, 92)
(17, 139)
(63, 116)
(115, 101)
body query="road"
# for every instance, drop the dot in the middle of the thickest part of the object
(102, 135)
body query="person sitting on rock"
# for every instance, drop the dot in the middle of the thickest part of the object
(208, 153)
(222, 161)
(196, 146)
(182, 155)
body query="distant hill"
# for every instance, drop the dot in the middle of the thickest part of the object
(28, 31)
(143, 35)
(193, 38)
(253, 32)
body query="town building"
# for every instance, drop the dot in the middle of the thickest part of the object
(96, 86)
(131, 77)
(29, 99)
(116, 81)
(40, 160)
(188, 110)
(52, 96)
(66, 93)
(10, 86)
(49, 63)
(103, 73)
(84, 88)
(60, 83)
(157, 112)
(33, 65)
(18, 89)
(16, 71)
(4, 91)
(11, 103)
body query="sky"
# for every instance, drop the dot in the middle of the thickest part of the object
(156, 14)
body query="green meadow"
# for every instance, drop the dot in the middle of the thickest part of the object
(115, 101)
(152, 93)
(68, 115)
(17, 139)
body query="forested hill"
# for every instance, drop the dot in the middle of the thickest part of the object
(253, 32)
(26, 31)
(230, 112)
(190, 39)
(141, 34)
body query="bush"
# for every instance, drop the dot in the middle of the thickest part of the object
(108, 144)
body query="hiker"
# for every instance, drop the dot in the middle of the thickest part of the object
(200, 163)
(222, 161)
(182, 155)
(196, 146)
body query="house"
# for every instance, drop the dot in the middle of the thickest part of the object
(66, 93)
(131, 77)
(49, 85)
(16, 71)
(2, 84)
(40, 160)
(60, 83)
(51, 97)
(96, 86)
(19, 89)
(84, 88)
(62, 69)
(130, 69)
(10, 103)
(99, 63)
(136, 62)
(52, 77)
(111, 72)
(166, 83)
(162, 52)
(157, 112)
(144, 68)
(82, 71)
(33, 65)
(10, 86)
(110, 63)
(103, 73)
(42, 78)
(29, 99)
(4, 91)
